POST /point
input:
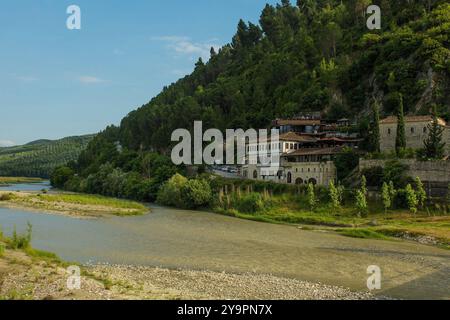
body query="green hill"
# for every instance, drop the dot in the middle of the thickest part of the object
(300, 57)
(40, 157)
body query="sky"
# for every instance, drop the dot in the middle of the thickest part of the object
(56, 82)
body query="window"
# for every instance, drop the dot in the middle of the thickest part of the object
(412, 130)
(389, 131)
(425, 130)
(255, 174)
(289, 178)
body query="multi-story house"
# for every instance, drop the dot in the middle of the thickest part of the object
(305, 152)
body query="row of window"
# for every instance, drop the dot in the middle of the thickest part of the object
(413, 130)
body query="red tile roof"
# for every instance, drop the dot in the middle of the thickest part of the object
(393, 120)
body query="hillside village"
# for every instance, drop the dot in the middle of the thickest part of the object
(308, 146)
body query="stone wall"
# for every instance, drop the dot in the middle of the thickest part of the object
(434, 174)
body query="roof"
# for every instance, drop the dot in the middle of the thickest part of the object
(290, 137)
(336, 139)
(315, 151)
(297, 122)
(410, 119)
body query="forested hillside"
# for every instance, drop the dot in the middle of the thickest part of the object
(309, 56)
(304, 56)
(39, 158)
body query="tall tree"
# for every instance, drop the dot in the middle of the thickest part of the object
(374, 137)
(434, 146)
(400, 142)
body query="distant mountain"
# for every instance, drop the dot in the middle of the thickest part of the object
(39, 158)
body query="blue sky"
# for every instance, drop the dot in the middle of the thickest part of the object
(56, 82)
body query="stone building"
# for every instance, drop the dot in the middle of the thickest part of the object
(416, 129)
(302, 158)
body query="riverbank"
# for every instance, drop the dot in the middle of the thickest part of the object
(16, 180)
(75, 205)
(425, 227)
(41, 276)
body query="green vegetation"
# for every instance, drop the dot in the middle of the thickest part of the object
(307, 56)
(374, 130)
(357, 214)
(400, 141)
(434, 145)
(76, 204)
(40, 158)
(184, 193)
(16, 180)
(362, 234)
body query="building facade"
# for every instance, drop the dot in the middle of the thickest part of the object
(305, 152)
(416, 129)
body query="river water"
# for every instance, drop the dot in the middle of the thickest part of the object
(204, 241)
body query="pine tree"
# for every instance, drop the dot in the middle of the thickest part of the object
(374, 139)
(400, 142)
(434, 147)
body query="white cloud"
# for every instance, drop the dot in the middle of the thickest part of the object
(90, 80)
(185, 46)
(7, 143)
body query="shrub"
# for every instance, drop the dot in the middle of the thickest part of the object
(395, 171)
(250, 203)
(411, 198)
(374, 176)
(2, 250)
(196, 193)
(170, 193)
(6, 197)
(400, 199)
(21, 241)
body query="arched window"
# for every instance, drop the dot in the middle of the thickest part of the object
(289, 178)
(313, 181)
(299, 181)
(255, 174)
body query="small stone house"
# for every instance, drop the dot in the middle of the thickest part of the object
(416, 129)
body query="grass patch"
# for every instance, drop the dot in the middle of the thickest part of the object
(16, 180)
(82, 204)
(294, 209)
(94, 200)
(363, 234)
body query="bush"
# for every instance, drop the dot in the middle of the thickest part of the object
(374, 176)
(170, 193)
(401, 199)
(196, 193)
(250, 203)
(21, 241)
(395, 171)
(6, 197)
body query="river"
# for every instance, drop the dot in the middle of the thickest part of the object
(174, 238)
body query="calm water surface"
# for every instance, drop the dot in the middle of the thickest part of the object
(199, 240)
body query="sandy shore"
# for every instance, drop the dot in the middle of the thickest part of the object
(32, 201)
(25, 277)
